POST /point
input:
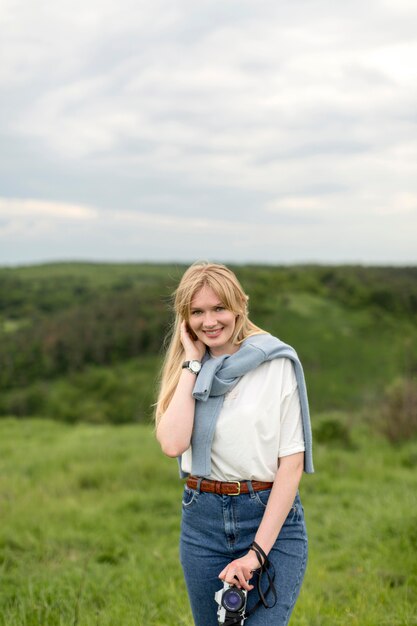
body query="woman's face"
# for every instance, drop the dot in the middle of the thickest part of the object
(212, 323)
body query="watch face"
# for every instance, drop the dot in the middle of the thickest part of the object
(195, 366)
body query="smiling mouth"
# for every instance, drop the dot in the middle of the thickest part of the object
(213, 333)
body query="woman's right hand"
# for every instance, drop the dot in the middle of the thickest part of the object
(194, 350)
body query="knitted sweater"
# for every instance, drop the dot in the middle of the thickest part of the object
(219, 375)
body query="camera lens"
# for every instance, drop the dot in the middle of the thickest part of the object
(233, 599)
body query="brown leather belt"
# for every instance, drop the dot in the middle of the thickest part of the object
(232, 488)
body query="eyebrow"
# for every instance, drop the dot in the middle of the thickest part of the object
(198, 308)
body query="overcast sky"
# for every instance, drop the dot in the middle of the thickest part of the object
(262, 131)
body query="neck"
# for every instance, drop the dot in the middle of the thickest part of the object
(215, 352)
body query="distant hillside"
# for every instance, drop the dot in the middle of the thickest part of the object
(51, 287)
(65, 324)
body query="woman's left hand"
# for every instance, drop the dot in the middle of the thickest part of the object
(239, 571)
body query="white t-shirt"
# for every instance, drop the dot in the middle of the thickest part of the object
(260, 421)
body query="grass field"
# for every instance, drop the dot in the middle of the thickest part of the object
(90, 520)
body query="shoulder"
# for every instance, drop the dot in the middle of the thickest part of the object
(281, 367)
(275, 370)
(269, 346)
(267, 343)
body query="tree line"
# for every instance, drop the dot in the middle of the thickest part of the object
(59, 319)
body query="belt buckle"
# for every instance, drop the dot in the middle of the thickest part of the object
(236, 482)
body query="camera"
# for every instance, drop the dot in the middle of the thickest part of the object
(232, 604)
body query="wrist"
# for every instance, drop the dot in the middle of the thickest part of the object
(192, 357)
(193, 365)
(253, 560)
(261, 556)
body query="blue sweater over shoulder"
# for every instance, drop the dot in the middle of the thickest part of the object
(219, 375)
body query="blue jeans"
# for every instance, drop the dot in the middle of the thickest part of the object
(217, 529)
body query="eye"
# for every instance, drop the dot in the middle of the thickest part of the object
(196, 312)
(219, 308)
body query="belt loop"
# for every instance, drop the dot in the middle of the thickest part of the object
(199, 481)
(250, 488)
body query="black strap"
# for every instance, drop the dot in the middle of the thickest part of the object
(265, 567)
(258, 551)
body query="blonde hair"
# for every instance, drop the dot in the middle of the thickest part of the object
(227, 287)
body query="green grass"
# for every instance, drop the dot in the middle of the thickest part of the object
(90, 521)
(90, 512)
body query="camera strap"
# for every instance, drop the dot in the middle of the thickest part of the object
(265, 567)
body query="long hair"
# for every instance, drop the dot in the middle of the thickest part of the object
(228, 289)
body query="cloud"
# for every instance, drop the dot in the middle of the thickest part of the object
(27, 212)
(210, 116)
(23, 208)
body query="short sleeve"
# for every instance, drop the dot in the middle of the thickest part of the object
(291, 431)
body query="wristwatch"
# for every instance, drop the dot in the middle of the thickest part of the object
(193, 366)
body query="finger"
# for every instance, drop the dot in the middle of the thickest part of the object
(231, 577)
(235, 582)
(223, 572)
(247, 575)
(241, 579)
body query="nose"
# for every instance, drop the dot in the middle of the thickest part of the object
(209, 320)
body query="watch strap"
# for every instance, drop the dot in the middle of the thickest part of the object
(187, 365)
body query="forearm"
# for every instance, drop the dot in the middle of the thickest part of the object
(280, 501)
(176, 424)
(282, 496)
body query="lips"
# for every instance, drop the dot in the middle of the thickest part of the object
(213, 333)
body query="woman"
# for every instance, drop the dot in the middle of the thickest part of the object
(233, 408)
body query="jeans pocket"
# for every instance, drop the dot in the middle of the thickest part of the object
(262, 497)
(295, 514)
(188, 497)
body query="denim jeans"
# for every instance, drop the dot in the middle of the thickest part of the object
(216, 529)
